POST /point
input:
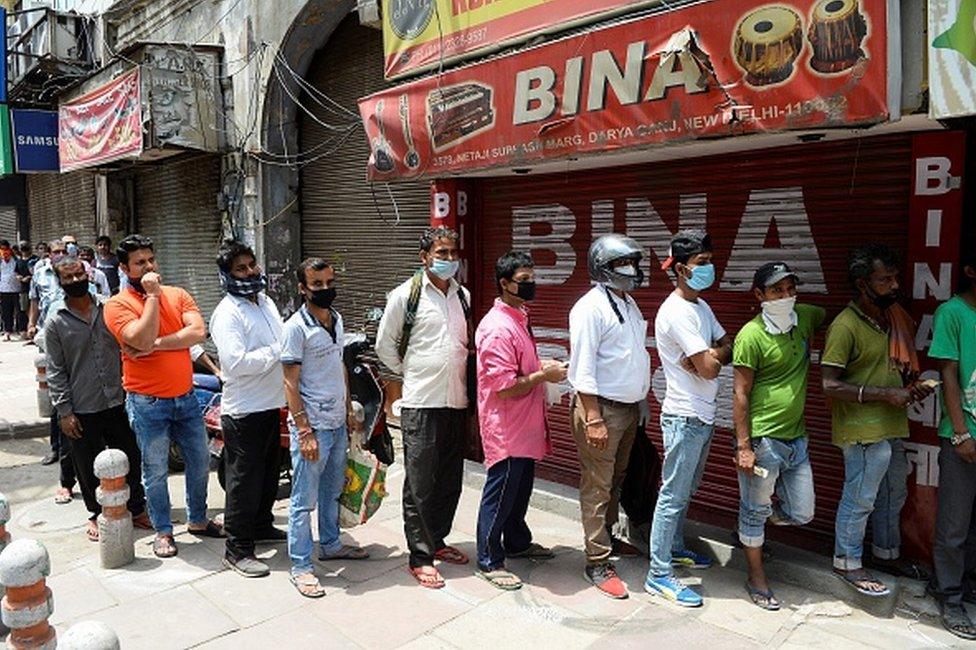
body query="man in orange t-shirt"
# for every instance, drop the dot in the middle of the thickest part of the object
(156, 325)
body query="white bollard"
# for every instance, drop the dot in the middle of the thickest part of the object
(4, 540)
(89, 635)
(43, 396)
(24, 566)
(115, 538)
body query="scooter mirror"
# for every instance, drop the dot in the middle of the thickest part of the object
(374, 315)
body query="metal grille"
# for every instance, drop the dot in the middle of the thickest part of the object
(8, 224)
(62, 204)
(815, 201)
(177, 209)
(344, 219)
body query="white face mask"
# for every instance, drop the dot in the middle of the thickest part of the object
(630, 271)
(779, 315)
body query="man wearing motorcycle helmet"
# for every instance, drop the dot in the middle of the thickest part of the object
(693, 348)
(610, 371)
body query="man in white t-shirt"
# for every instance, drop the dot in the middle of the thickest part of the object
(693, 347)
(610, 372)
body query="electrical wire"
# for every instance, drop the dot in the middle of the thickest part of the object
(312, 90)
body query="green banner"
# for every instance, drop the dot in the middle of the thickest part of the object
(6, 146)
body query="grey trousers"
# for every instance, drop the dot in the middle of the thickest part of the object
(433, 459)
(954, 554)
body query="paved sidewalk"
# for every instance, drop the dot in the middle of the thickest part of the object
(192, 601)
(18, 390)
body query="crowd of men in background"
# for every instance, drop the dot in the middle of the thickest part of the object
(120, 375)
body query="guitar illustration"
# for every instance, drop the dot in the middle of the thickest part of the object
(382, 153)
(412, 159)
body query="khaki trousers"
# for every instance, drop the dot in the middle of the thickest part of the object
(603, 472)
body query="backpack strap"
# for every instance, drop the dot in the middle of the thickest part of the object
(416, 284)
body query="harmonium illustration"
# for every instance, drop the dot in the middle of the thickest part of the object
(456, 113)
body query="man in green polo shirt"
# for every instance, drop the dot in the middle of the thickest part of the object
(954, 346)
(771, 358)
(869, 394)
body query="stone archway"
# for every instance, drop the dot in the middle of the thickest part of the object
(309, 32)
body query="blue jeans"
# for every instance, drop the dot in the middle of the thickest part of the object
(157, 422)
(316, 484)
(790, 477)
(875, 486)
(686, 444)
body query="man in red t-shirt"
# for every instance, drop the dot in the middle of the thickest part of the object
(156, 325)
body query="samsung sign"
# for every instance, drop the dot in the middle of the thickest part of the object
(35, 141)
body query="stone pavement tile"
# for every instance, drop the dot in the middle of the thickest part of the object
(428, 642)
(387, 611)
(296, 630)
(560, 581)
(859, 629)
(150, 575)
(387, 552)
(657, 627)
(522, 619)
(249, 601)
(76, 594)
(178, 618)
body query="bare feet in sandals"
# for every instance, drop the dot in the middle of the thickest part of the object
(427, 576)
(91, 530)
(863, 582)
(164, 546)
(346, 552)
(62, 496)
(451, 555)
(504, 580)
(308, 585)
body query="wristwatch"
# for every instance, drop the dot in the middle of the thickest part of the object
(959, 438)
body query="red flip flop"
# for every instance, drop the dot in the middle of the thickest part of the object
(427, 577)
(451, 555)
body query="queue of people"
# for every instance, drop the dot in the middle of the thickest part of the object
(133, 352)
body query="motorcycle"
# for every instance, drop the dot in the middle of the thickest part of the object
(366, 392)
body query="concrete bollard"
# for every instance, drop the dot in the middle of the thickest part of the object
(25, 608)
(89, 635)
(4, 540)
(115, 539)
(43, 397)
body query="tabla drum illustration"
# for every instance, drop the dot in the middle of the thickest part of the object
(837, 30)
(767, 43)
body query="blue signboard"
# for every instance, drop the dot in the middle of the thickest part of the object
(3, 55)
(35, 136)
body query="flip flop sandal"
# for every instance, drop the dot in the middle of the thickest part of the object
(500, 578)
(763, 599)
(451, 555)
(534, 552)
(857, 579)
(164, 546)
(91, 531)
(62, 497)
(434, 581)
(959, 624)
(212, 530)
(347, 552)
(308, 585)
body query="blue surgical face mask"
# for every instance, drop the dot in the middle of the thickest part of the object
(702, 277)
(444, 269)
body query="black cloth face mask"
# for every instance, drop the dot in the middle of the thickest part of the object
(322, 297)
(526, 290)
(75, 289)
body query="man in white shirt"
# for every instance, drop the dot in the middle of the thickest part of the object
(610, 371)
(246, 329)
(693, 347)
(429, 347)
(87, 255)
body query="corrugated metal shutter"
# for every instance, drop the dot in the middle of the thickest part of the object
(342, 220)
(842, 193)
(177, 209)
(62, 204)
(8, 223)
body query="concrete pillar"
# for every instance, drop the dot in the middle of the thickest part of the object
(43, 397)
(25, 608)
(89, 635)
(115, 540)
(4, 540)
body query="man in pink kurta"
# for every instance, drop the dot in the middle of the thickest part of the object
(512, 413)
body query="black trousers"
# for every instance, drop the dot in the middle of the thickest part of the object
(252, 450)
(501, 517)
(433, 461)
(107, 429)
(23, 312)
(9, 304)
(954, 554)
(61, 447)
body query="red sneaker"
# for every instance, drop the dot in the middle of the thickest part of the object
(604, 577)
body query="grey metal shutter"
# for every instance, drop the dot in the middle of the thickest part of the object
(177, 209)
(62, 204)
(342, 221)
(8, 224)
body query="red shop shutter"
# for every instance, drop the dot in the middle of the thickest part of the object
(808, 204)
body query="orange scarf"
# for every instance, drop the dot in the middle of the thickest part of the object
(901, 340)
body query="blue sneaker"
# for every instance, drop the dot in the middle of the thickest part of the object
(669, 588)
(689, 560)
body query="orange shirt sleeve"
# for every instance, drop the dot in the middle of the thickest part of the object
(118, 314)
(186, 301)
